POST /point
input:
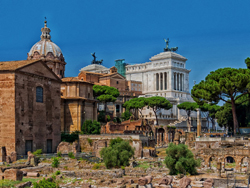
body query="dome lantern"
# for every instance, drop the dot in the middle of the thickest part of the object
(48, 51)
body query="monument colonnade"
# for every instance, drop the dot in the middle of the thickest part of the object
(163, 81)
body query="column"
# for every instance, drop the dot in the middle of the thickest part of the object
(179, 82)
(198, 122)
(174, 81)
(159, 81)
(164, 81)
(182, 82)
(154, 81)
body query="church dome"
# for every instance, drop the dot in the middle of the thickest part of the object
(45, 48)
(49, 52)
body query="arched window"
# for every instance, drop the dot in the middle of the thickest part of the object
(39, 94)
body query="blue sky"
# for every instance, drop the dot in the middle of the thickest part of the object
(211, 34)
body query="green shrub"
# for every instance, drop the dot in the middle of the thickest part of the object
(114, 120)
(55, 162)
(59, 154)
(180, 160)
(117, 154)
(38, 152)
(96, 166)
(90, 127)
(101, 116)
(126, 115)
(66, 137)
(122, 167)
(58, 172)
(108, 118)
(118, 120)
(45, 184)
(90, 141)
(71, 155)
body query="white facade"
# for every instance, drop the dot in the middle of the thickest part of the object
(165, 75)
(95, 68)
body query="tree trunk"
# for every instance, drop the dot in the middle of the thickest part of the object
(105, 107)
(156, 117)
(140, 112)
(236, 126)
(188, 120)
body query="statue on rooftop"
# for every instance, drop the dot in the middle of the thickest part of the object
(167, 49)
(94, 60)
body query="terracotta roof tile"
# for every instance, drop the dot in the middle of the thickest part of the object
(14, 65)
(74, 79)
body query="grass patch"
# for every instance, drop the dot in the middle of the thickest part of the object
(11, 183)
(144, 165)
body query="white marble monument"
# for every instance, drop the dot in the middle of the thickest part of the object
(165, 75)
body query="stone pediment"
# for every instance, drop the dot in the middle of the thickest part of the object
(168, 55)
(118, 76)
(41, 69)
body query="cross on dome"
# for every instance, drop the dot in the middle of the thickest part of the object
(45, 32)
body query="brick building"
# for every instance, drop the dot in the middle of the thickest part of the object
(127, 89)
(29, 107)
(77, 104)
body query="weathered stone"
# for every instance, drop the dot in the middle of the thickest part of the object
(149, 178)
(33, 174)
(8, 159)
(185, 182)
(208, 183)
(166, 180)
(142, 181)
(13, 156)
(66, 147)
(24, 185)
(134, 185)
(13, 174)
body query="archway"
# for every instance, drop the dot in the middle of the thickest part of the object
(212, 162)
(244, 164)
(229, 162)
(161, 133)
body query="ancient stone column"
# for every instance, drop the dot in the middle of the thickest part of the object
(164, 81)
(179, 80)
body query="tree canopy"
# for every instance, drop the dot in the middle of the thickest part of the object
(226, 84)
(247, 61)
(188, 107)
(90, 127)
(136, 104)
(224, 115)
(117, 154)
(180, 160)
(105, 94)
(157, 103)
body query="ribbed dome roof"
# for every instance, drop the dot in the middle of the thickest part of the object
(45, 45)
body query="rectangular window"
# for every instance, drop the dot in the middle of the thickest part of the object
(39, 94)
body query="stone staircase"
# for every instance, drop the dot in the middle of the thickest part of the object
(178, 121)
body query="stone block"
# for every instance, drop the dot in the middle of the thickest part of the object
(13, 174)
(8, 159)
(142, 181)
(13, 156)
(24, 185)
(185, 182)
(149, 178)
(208, 183)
